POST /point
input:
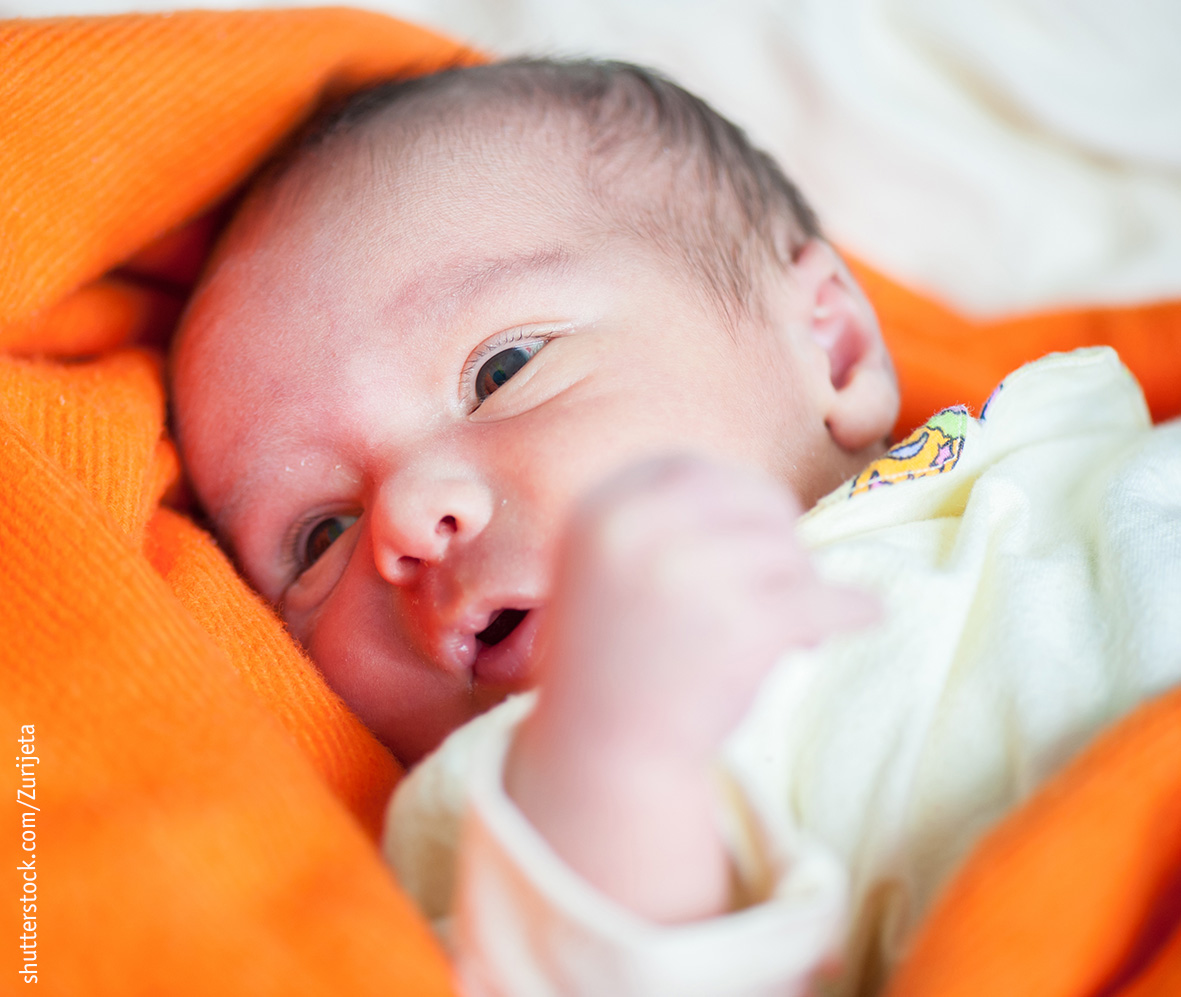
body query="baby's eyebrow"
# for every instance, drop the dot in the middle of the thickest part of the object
(455, 284)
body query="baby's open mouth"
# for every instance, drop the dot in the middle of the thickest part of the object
(504, 650)
(501, 625)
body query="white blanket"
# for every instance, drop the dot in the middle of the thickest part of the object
(1005, 155)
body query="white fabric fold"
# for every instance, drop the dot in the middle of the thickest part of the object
(530, 927)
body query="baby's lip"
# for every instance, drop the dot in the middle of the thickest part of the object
(510, 663)
(500, 659)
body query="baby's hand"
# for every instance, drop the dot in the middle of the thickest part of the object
(679, 584)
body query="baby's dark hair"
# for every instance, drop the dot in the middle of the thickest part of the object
(662, 162)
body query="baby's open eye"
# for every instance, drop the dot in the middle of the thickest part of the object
(502, 365)
(322, 536)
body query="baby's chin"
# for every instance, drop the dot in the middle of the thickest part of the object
(411, 738)
(414, 743)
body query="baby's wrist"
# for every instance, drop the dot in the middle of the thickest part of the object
(630, 821)
(582, 731)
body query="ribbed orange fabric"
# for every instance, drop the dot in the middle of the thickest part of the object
(206, 804)
(1079, 893)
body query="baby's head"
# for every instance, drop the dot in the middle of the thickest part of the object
(467, 301)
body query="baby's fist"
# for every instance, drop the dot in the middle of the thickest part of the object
(679, 584)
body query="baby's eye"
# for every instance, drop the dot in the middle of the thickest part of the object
(322, 536)
(503, 365)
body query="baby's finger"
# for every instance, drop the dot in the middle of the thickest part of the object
(825, 611)
(681, 493)
(743, 563)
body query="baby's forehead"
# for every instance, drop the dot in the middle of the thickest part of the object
(415, 224)
(423, 224)
(424, 155)
(534, 161)
(370, 203)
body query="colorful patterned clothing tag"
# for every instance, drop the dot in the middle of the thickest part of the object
(930, 449)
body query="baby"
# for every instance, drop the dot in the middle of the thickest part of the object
(523, 375)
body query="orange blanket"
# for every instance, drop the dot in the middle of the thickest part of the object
(194, 808)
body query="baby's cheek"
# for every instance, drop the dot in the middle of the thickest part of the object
(361, 644)
(355, 637)
(342, 662)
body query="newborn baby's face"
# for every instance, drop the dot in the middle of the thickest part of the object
(397, 383)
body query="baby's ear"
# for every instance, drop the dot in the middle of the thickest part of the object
(860, 397)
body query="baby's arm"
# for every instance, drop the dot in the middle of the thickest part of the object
(679, 585)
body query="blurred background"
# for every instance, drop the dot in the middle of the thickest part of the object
(1002, 155)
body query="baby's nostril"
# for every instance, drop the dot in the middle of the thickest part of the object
(502, 624)
(447, 525)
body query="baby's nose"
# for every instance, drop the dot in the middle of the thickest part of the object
(417, 518)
